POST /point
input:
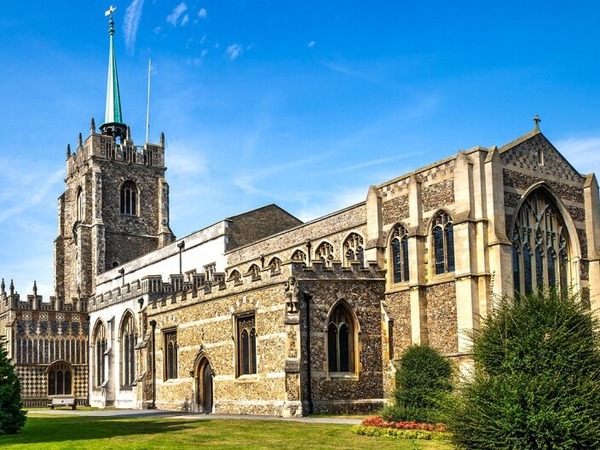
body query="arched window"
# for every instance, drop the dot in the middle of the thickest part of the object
(324, 252)
(79, 205)
(275, 265)
(254, 272)
(443, 243)
(235, 276)
(171, 354)
(341, 333)
(246, 344)
(128, 340)
(298, 255)
(129, 198)
(399, 254)
(100, 346)
(354, 249)
(60, 379)
(540, 251)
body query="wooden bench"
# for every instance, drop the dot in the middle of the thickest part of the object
(62, 401)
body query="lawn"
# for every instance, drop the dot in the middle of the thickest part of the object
(83, 432)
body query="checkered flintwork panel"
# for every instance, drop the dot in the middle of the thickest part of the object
(34, 383)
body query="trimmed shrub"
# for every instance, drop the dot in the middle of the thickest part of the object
(12, 417)
(536, 381)
(423, 379)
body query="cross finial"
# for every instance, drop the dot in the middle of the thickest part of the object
(537, 121)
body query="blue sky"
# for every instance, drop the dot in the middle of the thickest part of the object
(304, 104)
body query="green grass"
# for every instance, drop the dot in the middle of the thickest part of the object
(108, 433)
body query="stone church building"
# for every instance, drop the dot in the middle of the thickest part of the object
(261, 313)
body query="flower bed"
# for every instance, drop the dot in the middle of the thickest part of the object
(377, 426)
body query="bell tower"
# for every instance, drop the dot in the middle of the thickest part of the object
(115, 206)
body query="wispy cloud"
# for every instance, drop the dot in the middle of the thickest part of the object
(176, 14)
(234, 51)
(202, 13)
(582, 152)
(311, 44)
(133, 14)
(31, 195)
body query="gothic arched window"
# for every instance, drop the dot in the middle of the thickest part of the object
(443, 243)
(128, 339)
(298, 255)
(324, 252)
(399, 254)
(171, 354)
(540, 250)
(60, 379)
(341, 332)
(246, 345)
(129, 198)
(79, 205)
(275, 265)
(100, 346)
(354, 249)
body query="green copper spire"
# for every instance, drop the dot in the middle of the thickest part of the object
(113, 120)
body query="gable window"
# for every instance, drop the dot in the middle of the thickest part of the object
(324, 252)
(128, 339)
(171, 354)
(246, 345)
(100, 346)
(354, 249)
(59, 379)
(399, 254)
(540, 250)
(443, 243)
(129, 199)
(340, 340)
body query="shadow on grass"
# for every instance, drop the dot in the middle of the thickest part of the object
(54, 429)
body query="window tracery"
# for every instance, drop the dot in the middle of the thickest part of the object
(129, 198)
(540, 252)
(399, 254)
(443, 243)
(324, 252)
(341, 335)
(354, 249)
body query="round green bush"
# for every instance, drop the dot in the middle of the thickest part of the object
(423, 379)
(536, 380)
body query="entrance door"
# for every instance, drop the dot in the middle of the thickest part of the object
(204, 386)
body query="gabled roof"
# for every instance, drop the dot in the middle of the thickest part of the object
(525, 153)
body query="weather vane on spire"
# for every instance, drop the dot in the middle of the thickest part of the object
(111, 9)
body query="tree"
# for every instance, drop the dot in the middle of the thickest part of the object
(423, 379)
(536, 380)
(12, 417)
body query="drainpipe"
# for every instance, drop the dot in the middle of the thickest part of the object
(153, 404)
(181, 246)
(306, 297)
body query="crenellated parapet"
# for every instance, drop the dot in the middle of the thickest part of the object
(199, 288)
(107, 147)
(12, 300)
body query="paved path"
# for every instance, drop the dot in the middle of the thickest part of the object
(190, 416)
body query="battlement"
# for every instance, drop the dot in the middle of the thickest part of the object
(11, 300)
(199, 288)
(107, 147)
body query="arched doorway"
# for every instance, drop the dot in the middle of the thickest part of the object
(204, 386)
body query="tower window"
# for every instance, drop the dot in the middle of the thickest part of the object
(129, 198)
